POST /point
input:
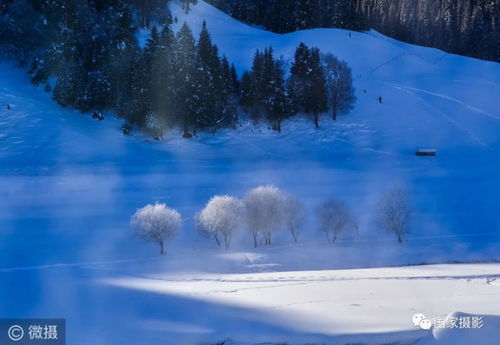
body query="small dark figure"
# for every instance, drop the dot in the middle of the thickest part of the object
(98, 116)
(364, 91)
(350, 35)
(380, 100)
(8, 106)
(126, 129)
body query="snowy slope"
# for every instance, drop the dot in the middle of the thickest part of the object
(68, 185)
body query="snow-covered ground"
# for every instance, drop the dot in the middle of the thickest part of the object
(68, 185)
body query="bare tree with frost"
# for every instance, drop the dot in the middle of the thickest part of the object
(396, 211)
(340, 87)
(263, 212)
(335, 217)
(157, 223)
(220, 218)
(293, 216)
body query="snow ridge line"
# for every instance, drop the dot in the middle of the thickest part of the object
(315, 279)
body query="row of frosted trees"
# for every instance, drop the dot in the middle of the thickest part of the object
(267, 209)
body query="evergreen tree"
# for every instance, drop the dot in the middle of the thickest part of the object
(235, 80)
(163, 78)
(257, 85)
(185, 83)
(186, 4)
(70, 84)
(263, 90)
(307, 85)
(279, 105)
(246, 97)
(137, 108)
(316, 95)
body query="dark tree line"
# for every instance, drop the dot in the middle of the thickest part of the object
(291, 15)
(177, 80)
(467, 27)
(86, 53)
(314, 84)
(90, 47)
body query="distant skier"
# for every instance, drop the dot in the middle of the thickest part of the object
(98, 116)
(126, 128)
(350, 35)
(380, 100)
(364, 91)
(8, 106)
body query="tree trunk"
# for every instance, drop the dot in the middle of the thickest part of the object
(255, 244)
(217, 240)
(294, 235)
(161, 249)
(227, 241)
(186, 134)
(400, 239)
(279, 126)
(334, 113)
(316, 120)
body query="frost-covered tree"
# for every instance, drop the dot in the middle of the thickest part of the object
(396, 211)
(157, 223)
(220, 218)
(263, 212)
(293, 215)
(334, 217)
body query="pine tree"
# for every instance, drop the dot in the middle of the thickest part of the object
(299, 76)
(137, 107)
(316, 94)
(235, 80)
(263, 89)
(279, 105)
(70, 84)
(186, 4)
(163, 78)
(307, 85)
(257, 85)
(185, 82)
(246, 97)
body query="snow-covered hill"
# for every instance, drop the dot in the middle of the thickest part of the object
(68, 185)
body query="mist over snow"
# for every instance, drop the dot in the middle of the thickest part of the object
(69, 185)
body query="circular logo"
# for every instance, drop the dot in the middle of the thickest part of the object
(417, 318)
(15, 333)
(425, 324)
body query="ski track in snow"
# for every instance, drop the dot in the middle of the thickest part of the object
(455, 123)
(477, 110)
